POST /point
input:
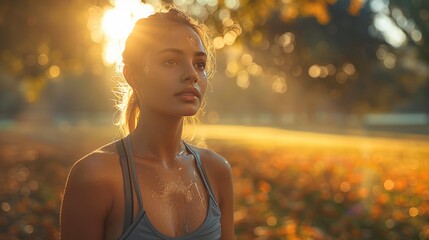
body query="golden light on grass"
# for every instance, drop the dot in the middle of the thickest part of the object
(390, 223)
(413, 212)
(339, 198)
(285, 182)
(5, 206)
(345, 186)
(389, 184)
(274, 137)
(271, 221)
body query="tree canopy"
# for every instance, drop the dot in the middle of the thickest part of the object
(289, 56)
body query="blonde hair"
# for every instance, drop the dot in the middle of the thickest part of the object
(136, 43)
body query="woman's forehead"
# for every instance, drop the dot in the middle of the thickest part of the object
(181, 37)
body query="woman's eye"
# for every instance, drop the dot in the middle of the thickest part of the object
(201, 65)
(170, 63)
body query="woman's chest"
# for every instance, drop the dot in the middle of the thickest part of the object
(175, 202)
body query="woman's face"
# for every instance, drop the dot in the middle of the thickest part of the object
(172, 79)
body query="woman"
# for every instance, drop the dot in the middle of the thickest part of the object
(152, 184)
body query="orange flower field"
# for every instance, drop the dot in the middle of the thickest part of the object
(288, 184)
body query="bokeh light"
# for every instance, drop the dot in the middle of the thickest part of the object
(117, 22)
(319, 106)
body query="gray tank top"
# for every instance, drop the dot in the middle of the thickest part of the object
(140, 227)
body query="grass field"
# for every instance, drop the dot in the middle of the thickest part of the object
(288, 185)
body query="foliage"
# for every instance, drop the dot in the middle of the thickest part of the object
(271, 53)
(335, 189)
(45, 51)
(335, 62)
(341, 194)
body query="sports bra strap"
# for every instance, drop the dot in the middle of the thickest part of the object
(202, 171)
(130, 156)
(128, 212)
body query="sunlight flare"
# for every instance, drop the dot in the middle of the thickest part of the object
(117, 23)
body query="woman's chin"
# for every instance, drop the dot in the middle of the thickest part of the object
(188, 112)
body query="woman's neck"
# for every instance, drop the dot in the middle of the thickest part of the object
(157, 138)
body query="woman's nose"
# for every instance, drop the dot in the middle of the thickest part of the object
(190, 75)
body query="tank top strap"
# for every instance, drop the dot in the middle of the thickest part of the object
(201, 170)
(130, 157)
(128, 212)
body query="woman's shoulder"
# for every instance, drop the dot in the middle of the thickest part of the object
(212, 159)
(91, 188)
(217, 168)
(97, 166)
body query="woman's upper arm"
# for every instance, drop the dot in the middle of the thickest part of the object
(226, 202)
(219, 172)
(86, 200)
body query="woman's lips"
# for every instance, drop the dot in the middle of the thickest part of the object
(189, 94)
(188, 97)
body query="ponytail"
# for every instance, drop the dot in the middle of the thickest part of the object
(128, 108)
(132, 111)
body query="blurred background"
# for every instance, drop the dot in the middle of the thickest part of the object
(321, 107)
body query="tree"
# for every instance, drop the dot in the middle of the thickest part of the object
(293, 56)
